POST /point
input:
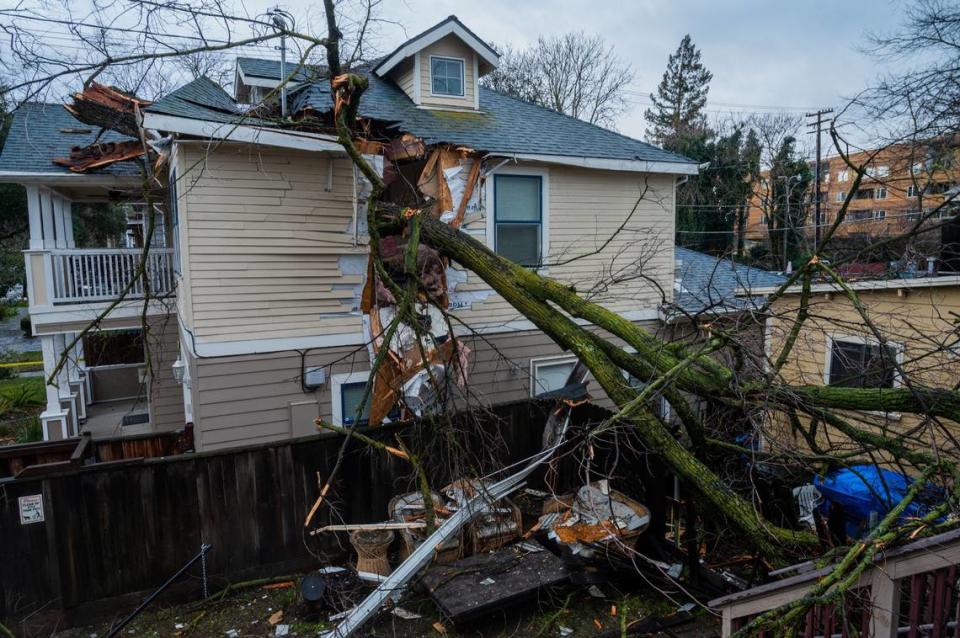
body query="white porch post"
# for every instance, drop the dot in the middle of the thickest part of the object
(75, 372)
(46, 213)
(35, 217)
(67, 398)
(53, 420)
(60, 226)
(68, 223)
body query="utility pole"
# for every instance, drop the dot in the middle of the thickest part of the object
(816, 128)
(283, 21)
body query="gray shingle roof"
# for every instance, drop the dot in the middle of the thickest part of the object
(42, 132)
(709, 284)
(503, 125)
(200, 99)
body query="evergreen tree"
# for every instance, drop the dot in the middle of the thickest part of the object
(677, 110)
(790, 177)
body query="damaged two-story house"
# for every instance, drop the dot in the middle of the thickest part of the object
(257, 314)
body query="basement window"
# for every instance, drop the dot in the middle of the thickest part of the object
(346, 394)
(518, 218)
(550, 374)
(446, 76)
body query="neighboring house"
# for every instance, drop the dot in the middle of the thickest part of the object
(900, 183)
(917, 323)
(268, 240)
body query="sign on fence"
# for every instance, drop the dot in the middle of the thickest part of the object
(31, 509)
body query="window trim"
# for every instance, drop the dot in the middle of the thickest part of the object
(337, 381)
(173, 213)
(535, 363)
(862, 340)
(490, 214)
(463, 76)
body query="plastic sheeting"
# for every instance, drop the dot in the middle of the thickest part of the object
(868, 492)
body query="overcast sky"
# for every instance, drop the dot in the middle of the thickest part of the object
(762, 53)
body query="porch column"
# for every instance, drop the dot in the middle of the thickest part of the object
(59, 225)
(53, 420)
(46, 213)
(68, 223)
(68, 400)
(75, 373)
(35, 217)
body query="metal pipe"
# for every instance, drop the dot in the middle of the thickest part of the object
(115, 629)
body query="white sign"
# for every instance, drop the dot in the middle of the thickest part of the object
(31, 509)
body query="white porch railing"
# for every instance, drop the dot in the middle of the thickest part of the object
(101, 274)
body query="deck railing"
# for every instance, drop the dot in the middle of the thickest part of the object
(101, 274)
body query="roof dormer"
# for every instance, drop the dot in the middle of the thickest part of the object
(441, 68)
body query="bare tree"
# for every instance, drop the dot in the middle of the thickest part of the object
(576, 74)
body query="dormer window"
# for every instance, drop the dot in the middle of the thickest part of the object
(446, 76)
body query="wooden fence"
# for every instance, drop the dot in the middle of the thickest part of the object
(112, 531)
(909, 591)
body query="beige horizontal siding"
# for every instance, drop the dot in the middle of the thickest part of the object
(449, 47)
(587, 209)
(241, 400)
(403, 76)
(263, 238)
(166, 395)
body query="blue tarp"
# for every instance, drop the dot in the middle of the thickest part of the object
(865, 489)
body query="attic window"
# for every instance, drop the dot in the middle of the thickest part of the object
(446, 76)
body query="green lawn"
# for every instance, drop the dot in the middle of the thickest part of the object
(31, 355)
(22, 392)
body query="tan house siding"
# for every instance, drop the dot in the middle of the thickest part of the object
(253, 399)
(404, 76)
(166, 395)
(265, 243)
(585, 209)
(921, 323)
(448, 47)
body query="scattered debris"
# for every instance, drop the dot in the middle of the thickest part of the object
(400, 612)
(464, 591)
(594, 591)
(282, 630)
(275, 617)
(439, 628)
(596, 515)
(565, 631)
(232, 633)
(84, 158)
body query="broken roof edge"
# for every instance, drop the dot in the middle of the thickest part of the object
(450, 25)
(863, 284)
(604, 163)
(238, 132)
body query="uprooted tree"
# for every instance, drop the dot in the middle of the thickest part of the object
(409, 244)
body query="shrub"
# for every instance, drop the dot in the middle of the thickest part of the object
(26, 326)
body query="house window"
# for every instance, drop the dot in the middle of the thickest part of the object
(174, 221)
(821, 218)
(446, 76)
(346, 394)
(879, 214)
(518, 217)
(840, 196)
(917, 168)
(882, 192)
(878, 171)
(548, 375)
(912, 190)
(843, 175)
(854, 363)
(864, 193)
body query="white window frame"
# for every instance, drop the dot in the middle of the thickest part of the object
(840, 196)
(881, 192)
(463, 76)
(491, 216)
(337, 381)
(860, 339)
(843, 176)
(880, 214)
(541, 361)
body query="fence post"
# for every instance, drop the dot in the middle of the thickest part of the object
(884, 604)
